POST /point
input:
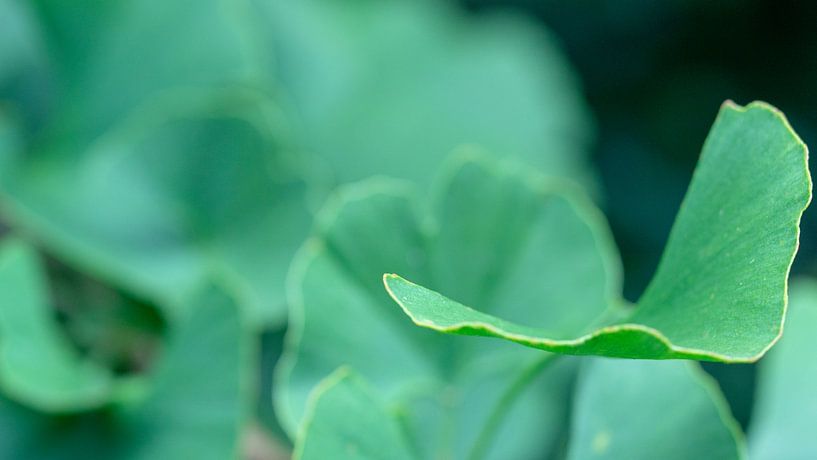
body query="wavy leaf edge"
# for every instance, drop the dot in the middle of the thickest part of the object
(567, 346)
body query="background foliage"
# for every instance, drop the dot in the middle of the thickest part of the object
(161, 162)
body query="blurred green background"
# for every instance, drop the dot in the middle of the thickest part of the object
(148, 147)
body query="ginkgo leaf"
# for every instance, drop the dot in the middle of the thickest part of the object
(646, 410)
(196, 188)
(194, 405)
(392, 87)
(456, 399)
(784, 418)
(326, 433)
(157, 176)
(38, 366)
(194, 173)
(720, 290)
(198, 400)
(179, 44)
(28, 434)
(623, 409)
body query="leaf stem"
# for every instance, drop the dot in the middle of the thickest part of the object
(501, 408)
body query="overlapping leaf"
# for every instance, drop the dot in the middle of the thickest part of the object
(375, 433)
(391, 87)
(646, 410)
(164, 160)
(199, 400)
(623, 409)
(157, 175)
(194, 404)
(37, 364)
(785, 414)
(456, 398)
(720, 290)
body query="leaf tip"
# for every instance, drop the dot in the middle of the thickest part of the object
(392, 282)
(389, 279)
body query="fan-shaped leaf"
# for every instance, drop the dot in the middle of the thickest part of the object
(720, 290)
(453, 395)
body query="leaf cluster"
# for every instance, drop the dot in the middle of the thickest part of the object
(241, 168)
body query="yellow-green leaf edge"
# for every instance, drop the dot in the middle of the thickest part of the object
(588, 344)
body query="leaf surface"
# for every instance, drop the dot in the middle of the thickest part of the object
(393, 87)
(374, 434)
(198, 401)
(23, 64)
(38, 366)
(651, 409)
(720, 290)
(189, 173)
(456, 399)
(194, 405)
(186, 175)
(785, 412)
(189, 195)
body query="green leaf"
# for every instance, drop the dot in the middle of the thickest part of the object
(374, 433)
(720, 290)
(623, 409)
(197, 187)
(23, 64)
(179, 44)
(38, 366)
(456, 398)
(158, 176)
(27, 434)
(199, 399)
(786, 402)
(393, 87)
(18, 47)
(648, 410)
(194, 405)
(154, 177)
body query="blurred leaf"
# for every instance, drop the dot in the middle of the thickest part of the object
(112, 57)
(720, 290)
(271, 350)
(195, 406)
(27, 434)
(24, 79)
(38, 365)
(455, 398)
(18, 45)
(617, 406)
(737, 383)
(648, 410)
(199, 398)
(375, 433)
(158, 175)
(107, 325)
(392, 87)
(785, 416)
(196, 187)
